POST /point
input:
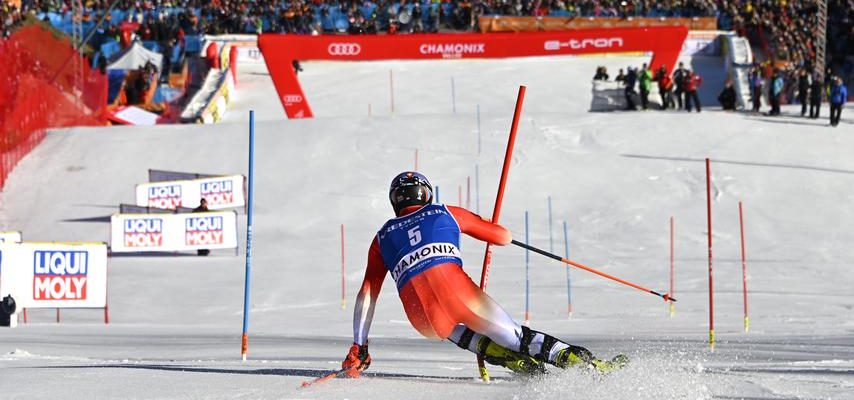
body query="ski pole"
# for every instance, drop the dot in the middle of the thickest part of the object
(665, 296)
(324, 378)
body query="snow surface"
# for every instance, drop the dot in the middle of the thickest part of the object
(615, 178)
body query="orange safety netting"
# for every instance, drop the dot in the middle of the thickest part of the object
(43, 84)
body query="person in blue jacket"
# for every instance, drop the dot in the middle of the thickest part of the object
(838, 96)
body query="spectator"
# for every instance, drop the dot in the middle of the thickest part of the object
(621, 77)
(691, 84)
(756, 83)
(645, 83)
(631, 78)
(203, 207)
(679, 80)
(665, 87)
(816, 90)
(838, 96)
(803, 89)
(601, 74)
(727, 96)
(776, 92)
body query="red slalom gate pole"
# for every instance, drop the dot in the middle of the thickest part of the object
(343, 281)
(711, 281)
(743, 268)
(672, 269)
(496, 212)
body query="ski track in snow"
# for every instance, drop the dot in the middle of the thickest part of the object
(614, 178)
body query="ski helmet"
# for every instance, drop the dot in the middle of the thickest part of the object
(409, 189)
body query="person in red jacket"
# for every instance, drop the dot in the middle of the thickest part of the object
(665, 87)
(419, 248)
(692, 83)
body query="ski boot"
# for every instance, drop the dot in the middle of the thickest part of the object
(608, 366)
(516, 362)
(574, 356)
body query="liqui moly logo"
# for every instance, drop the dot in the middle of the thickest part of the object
(143, 232)
(575, 44)
(60, 275)
(168, 196)
(203, 231)
(218, 192)
(453, 50)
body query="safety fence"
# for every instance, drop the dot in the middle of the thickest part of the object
(44, 84)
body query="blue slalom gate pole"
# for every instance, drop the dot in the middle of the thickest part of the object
(476, 190)
(568, 282)
(453, 95)
(244, 347)
(551, 242)
(527, 276)
(478, 129)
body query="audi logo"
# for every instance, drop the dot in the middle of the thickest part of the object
(344, 49)
(292, 98)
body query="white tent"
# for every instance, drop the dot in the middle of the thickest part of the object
(135, 57)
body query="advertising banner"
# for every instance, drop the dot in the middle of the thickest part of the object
(280, 50)
(54, 275)
(501, 23)
(702, 43)
(159, 175)
(11, 237)
(173, 232)
(247, 47)
(221, 192)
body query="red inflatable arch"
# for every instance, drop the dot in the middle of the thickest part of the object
(280, 50)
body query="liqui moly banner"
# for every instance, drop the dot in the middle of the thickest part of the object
(10, 237)
(221, 192)
(279, 50)
(173, 232)
(54, 275)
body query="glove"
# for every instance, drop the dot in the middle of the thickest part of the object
(357, 360)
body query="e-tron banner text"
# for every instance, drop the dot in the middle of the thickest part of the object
(54, 275)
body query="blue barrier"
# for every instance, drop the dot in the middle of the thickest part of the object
(152, 45)
(166, 94)
(193, 43)
(115, 78)
(110, 48)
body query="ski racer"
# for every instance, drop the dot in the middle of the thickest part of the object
(420, 249)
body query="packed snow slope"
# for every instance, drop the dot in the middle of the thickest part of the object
(614, 178)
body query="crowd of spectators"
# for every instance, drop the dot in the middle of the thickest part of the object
(10, 17)
(797, 86)
(677, 90)
(784, 30)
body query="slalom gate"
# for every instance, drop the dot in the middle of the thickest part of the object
(280, 50)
